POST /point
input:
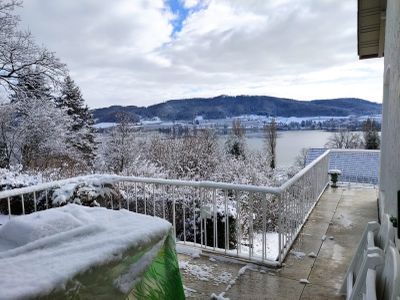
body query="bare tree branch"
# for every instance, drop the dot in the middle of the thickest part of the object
(19, 54)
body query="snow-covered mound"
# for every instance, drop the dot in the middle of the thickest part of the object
(40, 252)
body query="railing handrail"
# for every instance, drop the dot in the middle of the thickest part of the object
(106, 178)
(353, 150)
(303, 171)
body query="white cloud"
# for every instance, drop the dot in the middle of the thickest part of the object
(190, 3)
(123, 52)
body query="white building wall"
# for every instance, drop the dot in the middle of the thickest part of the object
(390, 148)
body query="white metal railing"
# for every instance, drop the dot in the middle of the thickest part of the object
(249, 222)
(357, 165)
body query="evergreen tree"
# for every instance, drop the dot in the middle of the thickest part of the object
(235, 143)
(31, 86)
(371, 135)
(82, 131)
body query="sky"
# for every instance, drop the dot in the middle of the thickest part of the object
(142, 52)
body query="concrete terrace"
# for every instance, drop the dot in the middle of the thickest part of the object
(340, 215)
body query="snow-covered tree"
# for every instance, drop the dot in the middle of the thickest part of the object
(10, 134)
(42, 128)
(45, 133)
(371, 135)
(301, 158)
(235, 144)
(119, 150)
(82, 136)
(270, 136)
(345, 139)
(19, 54)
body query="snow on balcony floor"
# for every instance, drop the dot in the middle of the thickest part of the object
(3, 219)
(56, 244)
(340, 216)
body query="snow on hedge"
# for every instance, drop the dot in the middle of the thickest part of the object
(14, 178)
(57, 244)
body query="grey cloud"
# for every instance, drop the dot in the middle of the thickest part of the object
(122, 52)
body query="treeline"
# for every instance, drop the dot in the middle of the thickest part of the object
(44, 122)
(232, 106)
(368, 139)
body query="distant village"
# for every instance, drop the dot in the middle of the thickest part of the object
(252, 123)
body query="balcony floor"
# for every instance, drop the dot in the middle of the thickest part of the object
(340, 215)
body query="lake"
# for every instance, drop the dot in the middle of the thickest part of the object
(289, 143)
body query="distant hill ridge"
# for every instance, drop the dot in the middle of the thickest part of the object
(231, 106)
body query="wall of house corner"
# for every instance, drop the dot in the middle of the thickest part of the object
(390, 146)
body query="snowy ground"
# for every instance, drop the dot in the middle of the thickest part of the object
(210, 277)
(272, 247)
(3, 219)
(272, 242)
(217, 274)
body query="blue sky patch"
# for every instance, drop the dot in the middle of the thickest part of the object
(181, 13)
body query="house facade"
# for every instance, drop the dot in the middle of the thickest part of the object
(378, 36)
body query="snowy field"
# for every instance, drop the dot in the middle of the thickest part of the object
(272, 248)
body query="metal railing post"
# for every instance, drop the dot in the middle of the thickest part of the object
(280, 229)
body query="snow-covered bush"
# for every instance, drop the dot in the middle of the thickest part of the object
(191, 157)
(14, 178)
(87, 194)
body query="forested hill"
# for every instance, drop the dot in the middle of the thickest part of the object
(231, 106)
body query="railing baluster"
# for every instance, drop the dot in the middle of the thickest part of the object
(280, 231)
(34, 201)
(183, 200)
(23, 204)
(154, 202)
(119, 200)
(197, 191)
(9, 207)
(136, 208)
(205, 226)
(251, 225)
(201, 204)
(163, 192)
(47, 200)
(238, 224)
(173, 210)
(112, 200)
(128, 200)
(226, 221)
(144, 198)
(264, 226)
(214, 199)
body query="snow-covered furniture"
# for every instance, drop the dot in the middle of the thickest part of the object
(366, 246)
(88, 253)
(370, 288)
(375, 240)
(386, 233)
(383, 284)
(373, 262)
